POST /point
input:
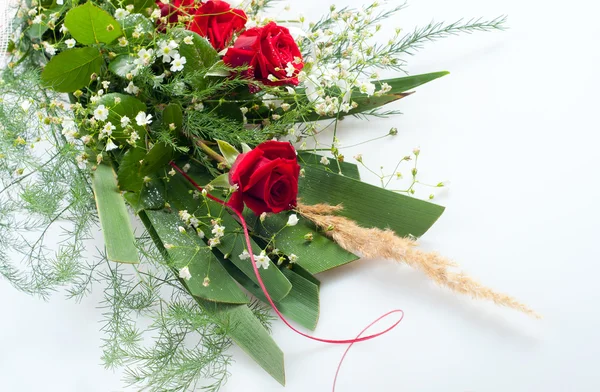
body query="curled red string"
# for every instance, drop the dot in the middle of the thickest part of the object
(350, 342)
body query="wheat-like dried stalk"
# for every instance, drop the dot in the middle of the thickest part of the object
(377, 243)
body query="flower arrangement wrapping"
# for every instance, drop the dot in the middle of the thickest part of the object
(204, 120)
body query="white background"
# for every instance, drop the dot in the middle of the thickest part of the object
(515, 129)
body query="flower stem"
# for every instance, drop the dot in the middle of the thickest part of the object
(209, 151)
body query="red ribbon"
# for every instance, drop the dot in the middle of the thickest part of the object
(350, 342)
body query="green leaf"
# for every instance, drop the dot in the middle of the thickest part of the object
(130, 25)
(120, 105)
(399, 86)
(309, 159)
(91, 25)
(233, 245)
(246, 148)
(140, 5)
(72, 69)
(150, 197)
(173, 115)
(200, 56)
(240, 325)
(221, 181)
(300, 305)
(190, 250)
(137, 164)
(368, 205)
(114, 219)
(228, 151)
(315, 256)
(122, 65)
(250, 335)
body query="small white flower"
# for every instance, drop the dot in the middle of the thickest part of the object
(168, 246)
(324, 161)
(289, 70)
(125, 121)
(110, 145)
(167, 50)
(367, 88)
(132, 89)
(143, 119)
(185, 216)
(37, 19)
(145, 57)
(188, 40)
(293, 258)
(121, 13)
(244, 255)
(184, 273)
(107, 130)
(194, 222)
(262, 260)
(133, 138)
(63, 29)
(86, 139)
(292, 220)
(177, 63)
(200, 233)
(105, 84)
(186, 167)
(101, 113)
(81, 160)
(25, 105)
(172, 173)
(218, 230)
(155, 14)
(181, 229)
(70, 43)
(51, 50)
(123, 42)
(214, 242)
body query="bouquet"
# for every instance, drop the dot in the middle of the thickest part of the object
(202, 123)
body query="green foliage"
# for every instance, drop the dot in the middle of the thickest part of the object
(114, 219)
(200, 56)
(91, 25)
(72, 69)
(120, 105)
(122, 65)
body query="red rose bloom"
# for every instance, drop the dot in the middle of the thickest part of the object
(267, 178)
(217, 21)
(267, 51)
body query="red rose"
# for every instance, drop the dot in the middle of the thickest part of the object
(217, 21)
(268, 51)
(267, 178)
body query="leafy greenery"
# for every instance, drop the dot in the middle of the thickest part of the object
(72, 69)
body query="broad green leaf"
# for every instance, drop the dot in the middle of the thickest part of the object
(114, 219)
(315, 256)
(188, 249)
(233, 245)
(306, 158)
(368, 205)
(250, 335)
(228, 151)
(91, 25)
(173, 115)
(221, 181)
(150, 197)
(72, 69)
(300, 305)
(238, 322)
(122, 65)
(137, 23)
(200, 56)
(120, 105)
(137, 164)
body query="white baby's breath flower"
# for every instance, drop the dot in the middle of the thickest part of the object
(70, 43)
(125, 121)
(110, 145)
(133, 138)
(289, 70)
(214, 242)
(262, 260)
(167, 50)
(123, 42)
(292, 220)
(293, 258)
(177, 63)
(101, 113)
(145, 57)
(367, 87)
(218, 230)
(132, 89)
(181, 229)
(188, 40)
(244, 255)
(121, 13)
(186, 167)
(156, 14)
(86, 139)
(324, 161)
(143, 119)
(184, 273)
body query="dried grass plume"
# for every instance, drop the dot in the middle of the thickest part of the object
(377, 243)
